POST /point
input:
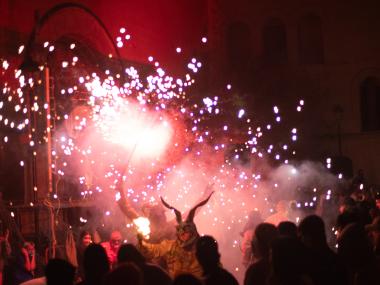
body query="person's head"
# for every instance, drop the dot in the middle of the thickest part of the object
(29, 246)
(288, 258)
(347, 205)
(354, 247)
(207, 253)
(95, 263)
(312, 231)
(59, 272)
(344, 219)
(187, 233)
(287, 229)
(265, 234)
(115, 239)
(125, 274)
(129, 253)
(85, 239)
(186, 279)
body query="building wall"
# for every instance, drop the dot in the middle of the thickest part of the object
(157, 28)
(351, 53)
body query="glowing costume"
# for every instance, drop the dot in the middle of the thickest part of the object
(178, 259)
(179, 255)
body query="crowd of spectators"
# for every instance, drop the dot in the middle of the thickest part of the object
(276, 250)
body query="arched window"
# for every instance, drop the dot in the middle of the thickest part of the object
(310, 40)
(238, 41)
(370, 104)
(274, 42)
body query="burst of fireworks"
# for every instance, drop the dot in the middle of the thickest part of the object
(149, 120)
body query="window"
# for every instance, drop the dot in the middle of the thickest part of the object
(274, 42)
(310, 40)
(370, 104)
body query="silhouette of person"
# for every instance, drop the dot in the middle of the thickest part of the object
(254, 218)
(289, 262)
(152, 274)
(208, 257)
(374, 232)
(186, 279)
(287, 229)
(59, 272)
(95, 265)
(258, 272)
(83, 242)
(324, 267)
(355, 251)
(125, 274)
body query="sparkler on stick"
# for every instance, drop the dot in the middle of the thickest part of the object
(144, 136)
(142, 224)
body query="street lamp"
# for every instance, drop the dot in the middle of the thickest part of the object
(29, 65)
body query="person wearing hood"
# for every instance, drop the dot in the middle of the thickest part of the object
(179, 253)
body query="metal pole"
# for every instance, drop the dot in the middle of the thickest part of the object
(48, 130)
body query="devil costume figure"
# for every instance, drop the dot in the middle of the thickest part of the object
(161, 229)
(179, 254)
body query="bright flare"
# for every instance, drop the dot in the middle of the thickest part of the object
(143, 226)
(146, 135)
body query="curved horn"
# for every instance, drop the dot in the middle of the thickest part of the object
(178, 214)
(191, 214)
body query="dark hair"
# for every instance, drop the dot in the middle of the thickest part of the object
(83, 234)
(346, 218)
(354, 248)
(288, 259)
(313, 228)
(348, 202)
(265, 234)
(95, 263)
(59, 272)
(186, 279)
(287, 228)
(129, 253)
(207, 250)
(125, 274)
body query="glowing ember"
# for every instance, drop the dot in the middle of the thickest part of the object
(143, 226)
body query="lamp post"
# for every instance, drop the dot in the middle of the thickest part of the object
(31, 66)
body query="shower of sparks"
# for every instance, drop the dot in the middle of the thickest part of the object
(130, 125)
(152, 128)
